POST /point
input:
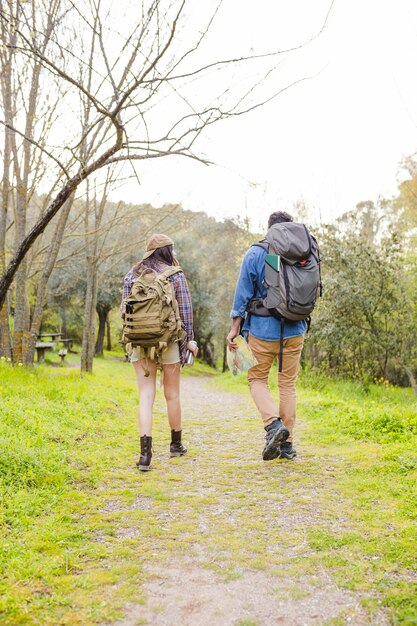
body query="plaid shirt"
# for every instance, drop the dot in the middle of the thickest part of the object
(182, 295)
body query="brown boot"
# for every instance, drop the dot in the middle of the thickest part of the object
(176, 448)
(144, 462)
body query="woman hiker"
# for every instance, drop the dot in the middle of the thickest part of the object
(160, 257)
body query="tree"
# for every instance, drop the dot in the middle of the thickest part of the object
(48, 266)
(364, 324)
(107, 299)
(125, 88)
(405, 204)
(24, 169)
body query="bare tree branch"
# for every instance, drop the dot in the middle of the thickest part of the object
(38, 145)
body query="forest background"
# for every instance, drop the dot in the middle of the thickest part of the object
(363, 327)
(64, 251)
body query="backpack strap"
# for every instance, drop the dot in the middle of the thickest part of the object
(281, 345)
(255, 305)
(318, 259)
(265, 246)
(261, 244)
(167, 273)
(170, 271)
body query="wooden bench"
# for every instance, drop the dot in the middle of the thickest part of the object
(63, 353)
(41, 348)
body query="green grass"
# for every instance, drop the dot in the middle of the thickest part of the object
(78, 522)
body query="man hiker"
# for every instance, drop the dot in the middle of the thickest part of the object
(263, 333)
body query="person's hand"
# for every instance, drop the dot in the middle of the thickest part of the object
(232, 335)
(192, 347)
(234, 332)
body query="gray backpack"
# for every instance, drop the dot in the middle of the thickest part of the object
(292, 275)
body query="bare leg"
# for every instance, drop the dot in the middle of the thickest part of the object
(172, 374)
(147, 387)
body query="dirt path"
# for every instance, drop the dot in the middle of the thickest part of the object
(230, 533)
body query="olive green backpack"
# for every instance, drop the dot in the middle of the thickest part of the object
(152, 319)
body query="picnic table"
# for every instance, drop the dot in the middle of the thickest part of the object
(41, 348)
(51, 336)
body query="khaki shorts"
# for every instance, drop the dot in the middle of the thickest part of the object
(168, 357)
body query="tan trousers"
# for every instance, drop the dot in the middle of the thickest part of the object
(266, 352)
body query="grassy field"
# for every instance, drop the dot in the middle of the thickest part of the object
(78, 520)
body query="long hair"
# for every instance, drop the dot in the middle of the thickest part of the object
(164, 255)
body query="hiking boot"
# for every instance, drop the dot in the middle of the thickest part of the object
(144, 462)
(287, 451)
(176, 448)
(276, 434)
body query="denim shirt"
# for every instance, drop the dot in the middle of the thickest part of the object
(249, 285)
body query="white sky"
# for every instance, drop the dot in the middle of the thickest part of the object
(331, 141)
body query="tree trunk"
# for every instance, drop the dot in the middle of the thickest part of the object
(92, 257)
(21, 306)
(87, 352)
(109, 346)
(22, 170)
(102, 313)
(5, 340)
(411, 378)
(63, 315)
(43, 283)
(224, 368)
(21, 315)
(208, 352)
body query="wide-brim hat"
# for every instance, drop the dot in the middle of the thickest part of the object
(155, 242)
